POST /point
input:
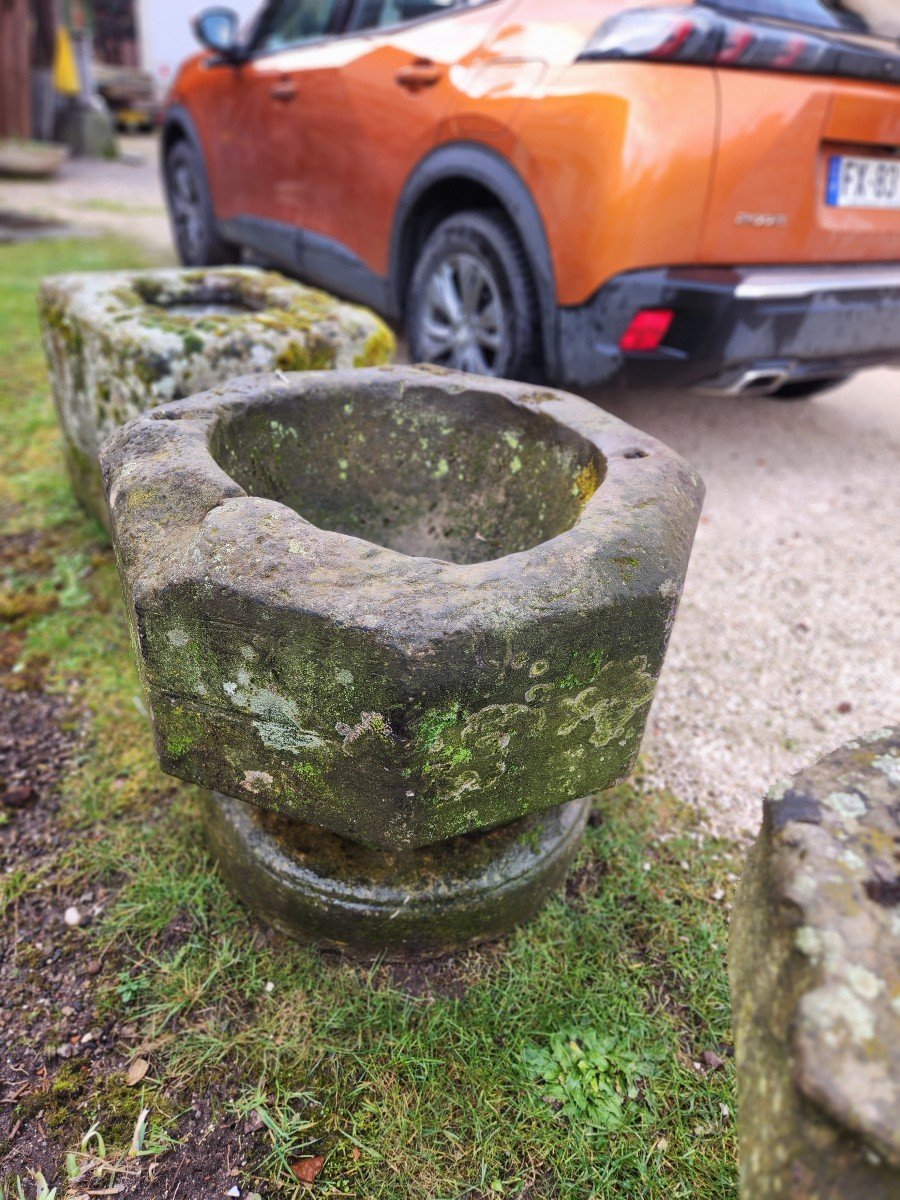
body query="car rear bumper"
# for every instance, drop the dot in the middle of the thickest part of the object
(747, 329)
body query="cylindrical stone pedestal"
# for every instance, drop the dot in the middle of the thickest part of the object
(815, 973)
(317, 886)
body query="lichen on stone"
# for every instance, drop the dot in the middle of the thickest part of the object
(119, 344)
(815, 966)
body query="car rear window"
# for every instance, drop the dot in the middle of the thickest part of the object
(879, 17)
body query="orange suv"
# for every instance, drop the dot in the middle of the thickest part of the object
(587, 191)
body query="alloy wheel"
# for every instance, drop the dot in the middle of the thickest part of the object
(463, 323)
(187, 210)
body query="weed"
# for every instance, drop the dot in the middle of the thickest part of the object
(130, 986)
(70, 571)
(41, 1189)
(589, 1076)
(285, 1115)
(94, 1159)
(15, 884)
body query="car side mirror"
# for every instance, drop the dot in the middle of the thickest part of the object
(219, 30)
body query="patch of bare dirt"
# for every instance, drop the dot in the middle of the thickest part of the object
(65, 1060)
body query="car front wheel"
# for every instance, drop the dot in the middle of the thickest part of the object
(471, 304)
(190, 208)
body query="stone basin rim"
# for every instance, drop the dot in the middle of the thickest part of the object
(246, 291)
(637, 470)
(570, 816)
(250, 291)
(171, 301)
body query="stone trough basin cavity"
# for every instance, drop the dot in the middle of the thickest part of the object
(392, 608)
(120, 343)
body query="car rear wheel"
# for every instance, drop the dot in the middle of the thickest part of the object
(471, 304)
(190, 209)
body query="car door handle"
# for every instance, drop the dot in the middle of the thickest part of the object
(417, 76)
(284, 89)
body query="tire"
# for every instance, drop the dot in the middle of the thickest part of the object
(471, 303)
(191, 212)
(805, 389)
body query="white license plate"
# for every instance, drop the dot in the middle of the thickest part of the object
(863, 182)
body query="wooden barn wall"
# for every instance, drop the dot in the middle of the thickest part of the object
(15, 81)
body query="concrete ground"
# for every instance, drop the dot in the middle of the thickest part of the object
(787, 641)
(121, 196)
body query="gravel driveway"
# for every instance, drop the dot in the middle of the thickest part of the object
(787, 641)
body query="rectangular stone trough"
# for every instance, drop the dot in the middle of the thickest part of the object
(120, 343)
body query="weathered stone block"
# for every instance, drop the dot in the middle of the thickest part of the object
(815, 972)
(121, 343)
(402, 604)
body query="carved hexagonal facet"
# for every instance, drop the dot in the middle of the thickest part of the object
(120, 343)
(399, 603)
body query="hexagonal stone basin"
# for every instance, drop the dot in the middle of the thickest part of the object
(457, 476)
(405, 606)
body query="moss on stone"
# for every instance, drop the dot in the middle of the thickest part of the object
(435, 723)
(85, 479)
(627, 564)
(184, 730)
(148, 371)
(120, 345)
(312, 355)
(587, 481)
(380, 348)
(58, 321)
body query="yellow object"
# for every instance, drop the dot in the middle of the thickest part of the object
(65, 68)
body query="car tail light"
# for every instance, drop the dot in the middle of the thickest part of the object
(647, 329)
(699, 35)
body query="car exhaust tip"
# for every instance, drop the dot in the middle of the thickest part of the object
(753, 381)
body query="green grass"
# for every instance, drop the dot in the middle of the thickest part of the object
(119, 207)
(559, 1064)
